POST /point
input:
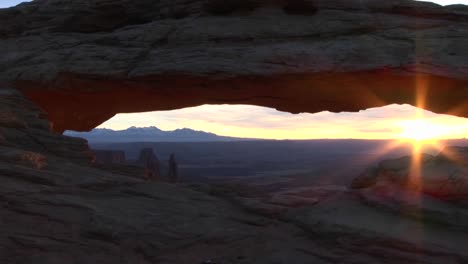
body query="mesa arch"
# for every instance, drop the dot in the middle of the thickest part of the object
(292, 55)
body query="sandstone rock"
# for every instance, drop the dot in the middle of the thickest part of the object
(125, 169)
(366, 179)
(109, 156)
(416, 205)
(296, 56)
(260, 207)
(24, 127)
(397, 168)
(27, 158)
(173, 172)
(69, 211)
(292, 200)
(454, 154)
(395, 223)
(444, 176)
(70, 56)
(150, 162)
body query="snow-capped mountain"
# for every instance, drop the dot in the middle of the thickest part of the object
(148, 134)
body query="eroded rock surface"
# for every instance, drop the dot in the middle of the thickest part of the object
(69, 57)
(378, 225)
(150, 162)
(57, 208)
(444, 176)
(25, 130)
(173, 169)
(297, 56)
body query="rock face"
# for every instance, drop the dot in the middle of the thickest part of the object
(296, 56)
(150, 162)
(109, 156)
(56, 208)
(455, 154)
(444, 176)
(70, 57)
(25, 133)
(173, 172)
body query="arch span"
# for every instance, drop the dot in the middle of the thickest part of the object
(92, 101)
(158, 55)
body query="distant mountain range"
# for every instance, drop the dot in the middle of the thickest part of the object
(149, 134)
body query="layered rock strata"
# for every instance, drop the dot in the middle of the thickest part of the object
(298, 56)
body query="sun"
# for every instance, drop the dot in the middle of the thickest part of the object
(422, 130)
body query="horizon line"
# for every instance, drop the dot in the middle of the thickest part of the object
(272, 139)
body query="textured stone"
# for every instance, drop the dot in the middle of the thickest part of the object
(70, 57)
(454, 154)
(57, 208)
(332, 55)
(109, 156)
(173, 169)
(30, 159)
(25, 133)
(395, 227)
(150, 162)
(444, 176)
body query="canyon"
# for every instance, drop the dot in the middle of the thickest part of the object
(71, 65)
(341, 56)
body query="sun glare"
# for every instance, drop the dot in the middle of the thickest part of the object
(422, 130)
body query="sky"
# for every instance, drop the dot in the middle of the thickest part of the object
(389, 122)
(393, 121)
(8, 3)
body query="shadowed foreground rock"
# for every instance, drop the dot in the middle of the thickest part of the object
(56, 208)
(25, 129)
(109, 156)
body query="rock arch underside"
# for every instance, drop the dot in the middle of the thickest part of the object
(71, 65)
(84, 62)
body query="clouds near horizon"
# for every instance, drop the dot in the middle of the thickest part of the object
(262, 122)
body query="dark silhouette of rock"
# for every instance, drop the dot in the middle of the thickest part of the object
(109, 156)
(173, 173)
(208, 262)
(150, 162)
(223, 8)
